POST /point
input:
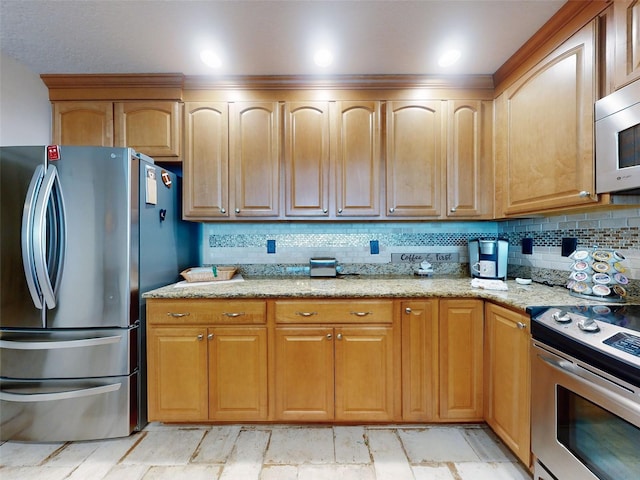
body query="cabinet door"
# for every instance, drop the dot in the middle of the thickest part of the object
(206, 161)
(149, 127)
(83, 123)
(420, 360)
(364, 374)
(238, 373)
(461, 343)
(469, 162)
(544, 125)
(304, 374)
(415, 159)
(507, 406)
(254, 133)
(357, 158)
(627, 48)
(177, 374)
(307, 159)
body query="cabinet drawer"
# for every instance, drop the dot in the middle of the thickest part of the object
(334, 311)
(206, 311)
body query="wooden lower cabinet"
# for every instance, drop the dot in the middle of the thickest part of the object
(203, 372)
(177, 378)
(420, 363)
(507, 378)
(461, 359)
(341, 373)
(238, 373)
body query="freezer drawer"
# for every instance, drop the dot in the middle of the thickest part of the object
(68, 410)
(33, 354)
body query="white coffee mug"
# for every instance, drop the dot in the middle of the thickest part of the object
(485, 268)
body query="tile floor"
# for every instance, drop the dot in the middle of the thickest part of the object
(271, 452)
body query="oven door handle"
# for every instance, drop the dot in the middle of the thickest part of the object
(568, 368)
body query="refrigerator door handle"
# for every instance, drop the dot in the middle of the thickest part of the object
(27, 236)
(54, 396)
(85, 342)
(50, 193)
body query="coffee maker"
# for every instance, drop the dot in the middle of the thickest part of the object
(488, 258)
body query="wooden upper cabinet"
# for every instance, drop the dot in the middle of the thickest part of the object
(307, 158)
(206, 161)
(254, 154)
(149, 127)
(357, 144)
(83, 123)
(415, 159)
(544, 131)
(470, 177)
(627, 41)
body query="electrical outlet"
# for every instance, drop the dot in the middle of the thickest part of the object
(271, 246)
(569, 246)
(527, 246)
(374, 247)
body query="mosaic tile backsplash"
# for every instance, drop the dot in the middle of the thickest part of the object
(245, 245)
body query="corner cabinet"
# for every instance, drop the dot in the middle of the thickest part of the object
(439, 159)
(507, 380)
(150, 127)
(206, 360)
(544, 132)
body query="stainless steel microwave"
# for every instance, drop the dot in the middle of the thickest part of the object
(617, 126)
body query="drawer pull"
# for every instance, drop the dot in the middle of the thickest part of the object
(178, 315)
(361, 314)
(306, 314)
(233, 314)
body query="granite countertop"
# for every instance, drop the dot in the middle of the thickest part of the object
(517, 296)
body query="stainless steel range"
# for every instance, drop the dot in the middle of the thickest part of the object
(585, 383)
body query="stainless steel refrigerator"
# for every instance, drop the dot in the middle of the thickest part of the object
(84, 232)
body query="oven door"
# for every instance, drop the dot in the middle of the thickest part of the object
(584, 424)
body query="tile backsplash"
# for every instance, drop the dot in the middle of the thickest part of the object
(245, 244)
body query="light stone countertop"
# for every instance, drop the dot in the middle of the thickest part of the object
(517, 296)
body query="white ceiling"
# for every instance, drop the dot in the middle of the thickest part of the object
(264, 37)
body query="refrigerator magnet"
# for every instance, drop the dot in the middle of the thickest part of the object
(151, 186)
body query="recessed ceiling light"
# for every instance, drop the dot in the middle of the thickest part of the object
(210, 59)
(449, 57)
(323, 58)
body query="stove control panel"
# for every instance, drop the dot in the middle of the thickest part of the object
(625, 342)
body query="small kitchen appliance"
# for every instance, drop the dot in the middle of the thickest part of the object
(323, 267)
(585, 391)
(488, 258)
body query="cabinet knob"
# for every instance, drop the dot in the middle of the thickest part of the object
(521, 325)
(339, 336)
(391, 210)
(340, 211)
(178, 315)
(223, 210)
(453, 209)
(584, 194)
(407, 310)
(329, 336)
(324, 210)
(237, 210)
(200, 337)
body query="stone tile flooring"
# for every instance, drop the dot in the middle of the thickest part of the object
(271, 452)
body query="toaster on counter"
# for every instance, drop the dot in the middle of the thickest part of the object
(322, 267)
